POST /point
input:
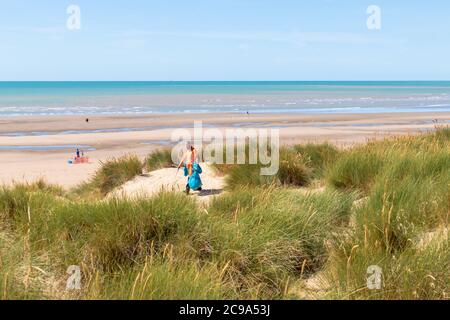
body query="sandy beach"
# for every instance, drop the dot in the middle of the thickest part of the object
(39, 147)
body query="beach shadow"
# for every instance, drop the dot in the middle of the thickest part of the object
(209, 192)
(145, 175)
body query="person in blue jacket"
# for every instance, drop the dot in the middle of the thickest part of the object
(194, 181)
(192, 169)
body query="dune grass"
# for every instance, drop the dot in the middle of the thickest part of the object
(20, 273)
(318, 156)
(387, 203)
(17, 203)
(358, 167)
(407, 200)
(293, 171)
(163, 279)
(275, 234)
(116, 172)
(112, 174)
(113, 241)
(158, 159)
(110, 235)
(13, 270)
(299, 165)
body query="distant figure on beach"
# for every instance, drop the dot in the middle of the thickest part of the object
(78, 153)
(87, 120)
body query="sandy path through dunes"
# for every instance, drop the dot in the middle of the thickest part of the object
(168, 180)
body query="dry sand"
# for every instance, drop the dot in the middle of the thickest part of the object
(148, 132)
(170, 180)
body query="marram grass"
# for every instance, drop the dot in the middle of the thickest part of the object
(386, 203)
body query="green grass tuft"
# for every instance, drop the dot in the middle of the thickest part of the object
(112, 174)
(158, 160)
(318, 156)
(293, 171)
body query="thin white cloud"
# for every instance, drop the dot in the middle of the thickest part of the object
(36, 30)
(295, 38)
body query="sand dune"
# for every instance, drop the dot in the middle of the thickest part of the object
(167, 179)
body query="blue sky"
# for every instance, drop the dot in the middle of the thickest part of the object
(224, 40)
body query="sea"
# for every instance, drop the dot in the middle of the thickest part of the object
(153, 97)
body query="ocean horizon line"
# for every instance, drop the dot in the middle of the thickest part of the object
(226, 81)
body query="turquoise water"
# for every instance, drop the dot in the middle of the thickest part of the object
(88, 98)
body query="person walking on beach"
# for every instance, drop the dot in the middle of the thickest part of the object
(189, 158)
(78, 153)
(192, 169)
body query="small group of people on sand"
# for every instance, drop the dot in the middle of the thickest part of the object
(192, 169)
(79, 157)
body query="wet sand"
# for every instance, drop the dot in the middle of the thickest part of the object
(113, 136)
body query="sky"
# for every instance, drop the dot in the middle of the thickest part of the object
(224, 40)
